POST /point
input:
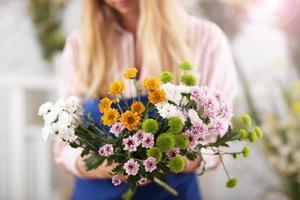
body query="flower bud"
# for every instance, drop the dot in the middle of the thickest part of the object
(252, 136)
(235, 155)
(246, 119)
(243, 135)
(259, 132)
(231, 183)
(246, 152)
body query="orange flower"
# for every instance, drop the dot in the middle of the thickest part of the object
(130, 73)
(116, 87)
(131, 120)
(137, 107)
(151, 83)
(157, 96)
(104, 104)
(110, 116)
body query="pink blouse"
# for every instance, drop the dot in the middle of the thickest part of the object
(211, 58)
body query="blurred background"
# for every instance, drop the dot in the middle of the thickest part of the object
(265, 40)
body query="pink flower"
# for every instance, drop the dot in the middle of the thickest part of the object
(106, 150)
(148, 140)
(116, 181)
(226, 111)
(192, 138)
(117, 128)
(218, 126)
(131, 167)
(130, 144)
(150, 164)
(173, 153)
(139, 135)
(199, 95)
(142, 181)
(210, 107)
(200, 129)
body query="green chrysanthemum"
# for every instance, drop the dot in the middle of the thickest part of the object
(175, 125)
(166, 77)
(246, 120)
(259, 132)
(252, 136)
(185, 65)
(182, 141)
(188, 79)
(155, 152)
(150, 126)
(246, 152)
(165, 142)
(231, 183)
(177, 164)
(243, 135)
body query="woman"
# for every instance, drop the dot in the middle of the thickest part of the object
(152, 35)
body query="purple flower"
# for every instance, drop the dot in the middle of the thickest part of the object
(116, 181)
(200, 129)
(218, 126)
(142, 181)
(148, 140)
(150, 164)
(199, 95)
(131, 167)
(139, 135)
(117, 128)
(130, 144)
(106, 150)
(173, 153)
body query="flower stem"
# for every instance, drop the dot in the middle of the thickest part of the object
(137, 90)
(165, 186)
(225, 169)
(125, 101)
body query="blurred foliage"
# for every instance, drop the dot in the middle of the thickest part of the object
(46, 15)
(282, 143)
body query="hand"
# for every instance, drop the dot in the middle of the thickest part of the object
(192, 165)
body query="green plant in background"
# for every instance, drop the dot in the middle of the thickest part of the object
(282, 143)
(46, 16)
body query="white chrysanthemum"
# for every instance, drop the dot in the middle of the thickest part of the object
(172, 93)
(47, 132)
(67, 134)
(51, 116)
(167, 111)
(65, 119)
(193, 115)
(45, 108)
(72, 104)
(184, 89)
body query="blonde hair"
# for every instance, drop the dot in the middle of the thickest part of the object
(160, 34)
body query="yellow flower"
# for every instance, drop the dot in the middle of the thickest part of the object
(104, 104)
(130, 73)
(131, 120)
(296, 107)
(151, 83)
(116, 87)
(157, 96)
(110, 116)
(137, 107)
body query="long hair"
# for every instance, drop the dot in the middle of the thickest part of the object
(160, 33)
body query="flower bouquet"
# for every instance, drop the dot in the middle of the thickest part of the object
(151, 135)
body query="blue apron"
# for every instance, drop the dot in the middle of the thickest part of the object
(185, 183)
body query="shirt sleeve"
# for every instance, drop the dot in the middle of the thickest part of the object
(218, 72)
(64, 155)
